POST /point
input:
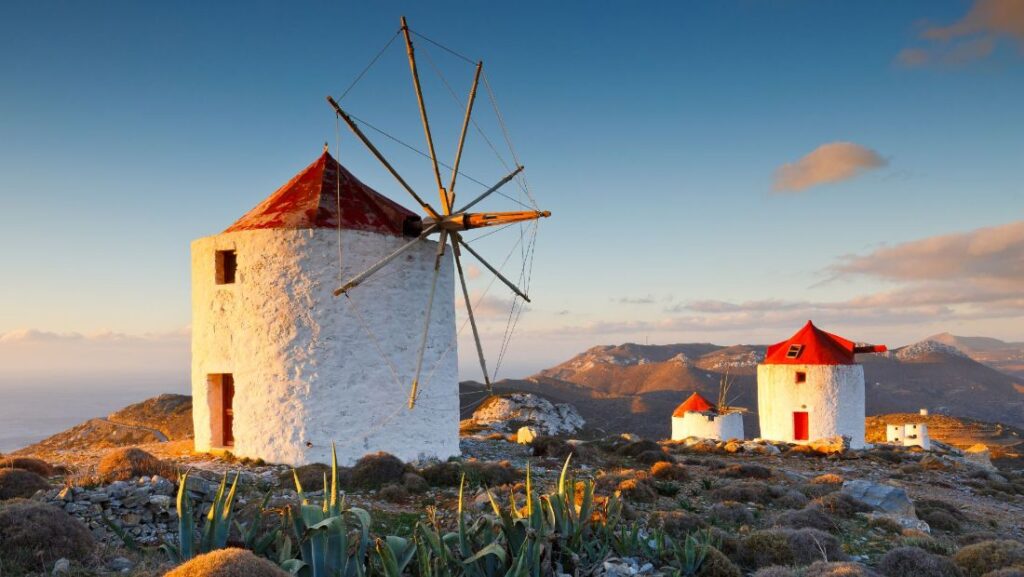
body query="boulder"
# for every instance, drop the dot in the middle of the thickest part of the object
(886, 498)
(830, 445)
(526, 435)
(979, 455)
(506, 413)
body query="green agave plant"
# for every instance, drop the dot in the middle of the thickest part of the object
(218, 521)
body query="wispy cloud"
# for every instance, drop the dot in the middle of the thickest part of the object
(34, 352)
(973, 37)
(644, 300)
(829, 163)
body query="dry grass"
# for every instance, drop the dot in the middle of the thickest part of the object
(228, 563)
(844, 569)
(827, 479)
(19, 483)
(747, 471)
(811, 517)
(841, 505)
(669, 472)
(677, 524)
(716, 564)
(35, 535)
(130, 462)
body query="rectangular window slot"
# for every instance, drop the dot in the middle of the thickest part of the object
(801, 377)
(227, 264)
(794, 351)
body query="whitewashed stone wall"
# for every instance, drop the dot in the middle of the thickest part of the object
(909, 435)
(306, 372)
(832, 396)
(707, 426)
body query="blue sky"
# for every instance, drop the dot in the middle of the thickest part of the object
(652, 131)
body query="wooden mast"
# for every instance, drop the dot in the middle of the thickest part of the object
(445, 201)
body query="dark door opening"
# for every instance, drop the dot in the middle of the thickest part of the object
(228, 411)
(800, 428)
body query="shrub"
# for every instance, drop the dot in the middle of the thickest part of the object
(843, 569)
(809, 545)
(765, 548)
(228, 563)
(635, 448)
(1006, 572)
(37, 466)
(976, 537)
(677, 524)
(730, 513)
(545, 446)
(916, 562)
(817, 490)
(442, 474)
(940, 520)
(637, 490)
(128, 463)
(479, 473)
(33, 533)
(376, 470)
(717, 564)
(791, 500)
(928, 543)
(311, 477)
(775, 571)
(393, 493)
(811, 517)
(827, 479)
(885, 524)
(652, 457)
(841, 505)
(980, 558)
(414, 483)
(669, 471)
(19, 483)
(744, 492)
(746, 471)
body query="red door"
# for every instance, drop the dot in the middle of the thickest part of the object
(800, 426)
(228, 418)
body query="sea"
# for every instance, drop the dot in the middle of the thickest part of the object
(32, 409)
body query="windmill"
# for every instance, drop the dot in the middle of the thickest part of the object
(450, 221)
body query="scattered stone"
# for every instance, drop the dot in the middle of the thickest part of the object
(886, 498)
(61, 567)
(526, 435)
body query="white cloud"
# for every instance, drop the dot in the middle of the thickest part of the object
(831, 162)
(39, 353)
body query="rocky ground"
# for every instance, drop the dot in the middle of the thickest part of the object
(855, 505)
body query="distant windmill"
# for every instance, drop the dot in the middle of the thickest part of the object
(448, 222)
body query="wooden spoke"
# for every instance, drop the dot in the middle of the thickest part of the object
(370, 271)
(469, 309)
(493, 270)
(492, 189)
(445, 201)
(462, 135)
(373, 149)
(426, 326)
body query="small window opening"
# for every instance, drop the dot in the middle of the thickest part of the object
(801, 377)
(794, 351)
(227, 264)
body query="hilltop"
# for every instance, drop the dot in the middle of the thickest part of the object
(1007, 357)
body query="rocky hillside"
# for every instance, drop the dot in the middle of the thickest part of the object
(634, 388)
(1005, 443)
(1007, 357)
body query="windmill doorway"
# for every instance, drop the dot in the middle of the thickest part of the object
(222, 412)
(800, 426)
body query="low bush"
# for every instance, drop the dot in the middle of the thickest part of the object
(716, 564)
(228, 563)
(127, 463)
(810, 545)
(775, 571)
(791, 500)
(940, 520)
(841, 505)
(744, 492)
(885, 524)
(669, 472)
(842, 569)
(811, 517)
(376, 470)
(19, 483)
(486, 474)
(652, 457)
(747, 471)
(986, 556)
(34, 535)
(765, 548)
(415, 483)
(545, 446)
(445, 474)
(37, 466)
(1006, 572)
(393, 493)
(677, 524)
(311, 477)
(637, 490)
(636, 448)
(916, 562)
(827, 479)
(730, 513)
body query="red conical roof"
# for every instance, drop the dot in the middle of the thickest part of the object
(813, 346)
(311, 200)
(695, 403)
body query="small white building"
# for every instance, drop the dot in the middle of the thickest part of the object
(908, 435)
(281, 368)
(810, 387)
(696, 417)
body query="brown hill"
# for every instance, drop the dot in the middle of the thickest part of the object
(1001, 355)
(1004, 442)
(634, 388)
